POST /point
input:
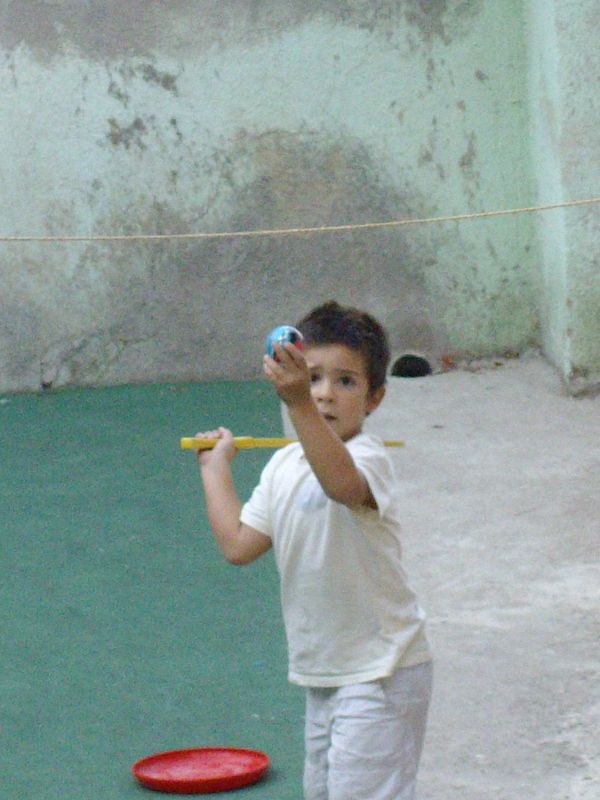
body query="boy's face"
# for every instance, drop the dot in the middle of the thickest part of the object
(340, 387)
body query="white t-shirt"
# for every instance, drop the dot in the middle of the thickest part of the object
(349, 613)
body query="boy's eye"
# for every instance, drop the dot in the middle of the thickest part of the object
(314, 377)
(346, 380)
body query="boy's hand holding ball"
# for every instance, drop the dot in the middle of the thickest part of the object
(285, 366)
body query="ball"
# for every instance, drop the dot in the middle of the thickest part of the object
(281, 335)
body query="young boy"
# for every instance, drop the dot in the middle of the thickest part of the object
(325, 504)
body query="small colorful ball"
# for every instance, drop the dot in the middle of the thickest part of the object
(281, 335)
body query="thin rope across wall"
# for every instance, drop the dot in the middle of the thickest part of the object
(136, 237)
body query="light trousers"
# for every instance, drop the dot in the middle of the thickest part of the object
(364, 742)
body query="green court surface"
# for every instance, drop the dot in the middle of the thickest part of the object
(124, 632)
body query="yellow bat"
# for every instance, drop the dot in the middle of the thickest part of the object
(247, 442)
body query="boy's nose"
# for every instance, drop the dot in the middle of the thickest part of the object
(324, 390)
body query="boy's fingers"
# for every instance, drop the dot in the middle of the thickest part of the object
(274, 368)
(288, 356)
(280, 352)
(293, 351)
(286, 352)
(268, 369)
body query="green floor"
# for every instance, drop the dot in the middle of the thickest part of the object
(123, 632)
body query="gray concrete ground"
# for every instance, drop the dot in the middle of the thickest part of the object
(500, 483)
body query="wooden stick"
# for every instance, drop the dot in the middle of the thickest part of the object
(247, 442)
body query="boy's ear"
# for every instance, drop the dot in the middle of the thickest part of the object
(374, 399)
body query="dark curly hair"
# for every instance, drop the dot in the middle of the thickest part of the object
(331, 323)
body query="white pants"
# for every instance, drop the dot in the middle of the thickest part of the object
(364, 742)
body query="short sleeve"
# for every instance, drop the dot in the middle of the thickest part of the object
(256, 511)
(371, 459)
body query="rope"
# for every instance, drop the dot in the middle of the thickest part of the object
(298, 231)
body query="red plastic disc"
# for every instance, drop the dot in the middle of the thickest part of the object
(201, 770)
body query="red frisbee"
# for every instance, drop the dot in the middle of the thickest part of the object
(201, 770)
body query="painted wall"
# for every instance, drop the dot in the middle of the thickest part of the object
(565, 102)
(147, 117)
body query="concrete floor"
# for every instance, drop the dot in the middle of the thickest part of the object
(500, 483)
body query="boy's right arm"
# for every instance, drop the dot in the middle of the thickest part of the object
(239, 543)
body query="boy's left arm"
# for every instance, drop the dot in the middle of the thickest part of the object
(327, 454)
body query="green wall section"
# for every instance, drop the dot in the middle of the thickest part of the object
(577, 26)
(123, 631)
(295, 114)
(545, 114)
(564, 69)
(136, 118)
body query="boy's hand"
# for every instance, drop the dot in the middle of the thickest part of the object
(224, 448)
(289, 375)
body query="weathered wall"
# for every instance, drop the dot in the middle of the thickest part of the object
(578, 31)
(565, 102)
(150, 117)
(545, 144)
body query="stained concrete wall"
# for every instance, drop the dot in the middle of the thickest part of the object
(152, 118)
(565, 103)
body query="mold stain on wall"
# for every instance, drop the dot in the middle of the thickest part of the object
(127, 135)
(113, 30)
(123, 76)
(293, 179)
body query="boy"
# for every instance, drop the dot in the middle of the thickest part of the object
(354, 629)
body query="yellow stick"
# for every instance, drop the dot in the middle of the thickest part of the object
(246, 442)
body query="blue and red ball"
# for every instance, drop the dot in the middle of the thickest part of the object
(281, 335)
